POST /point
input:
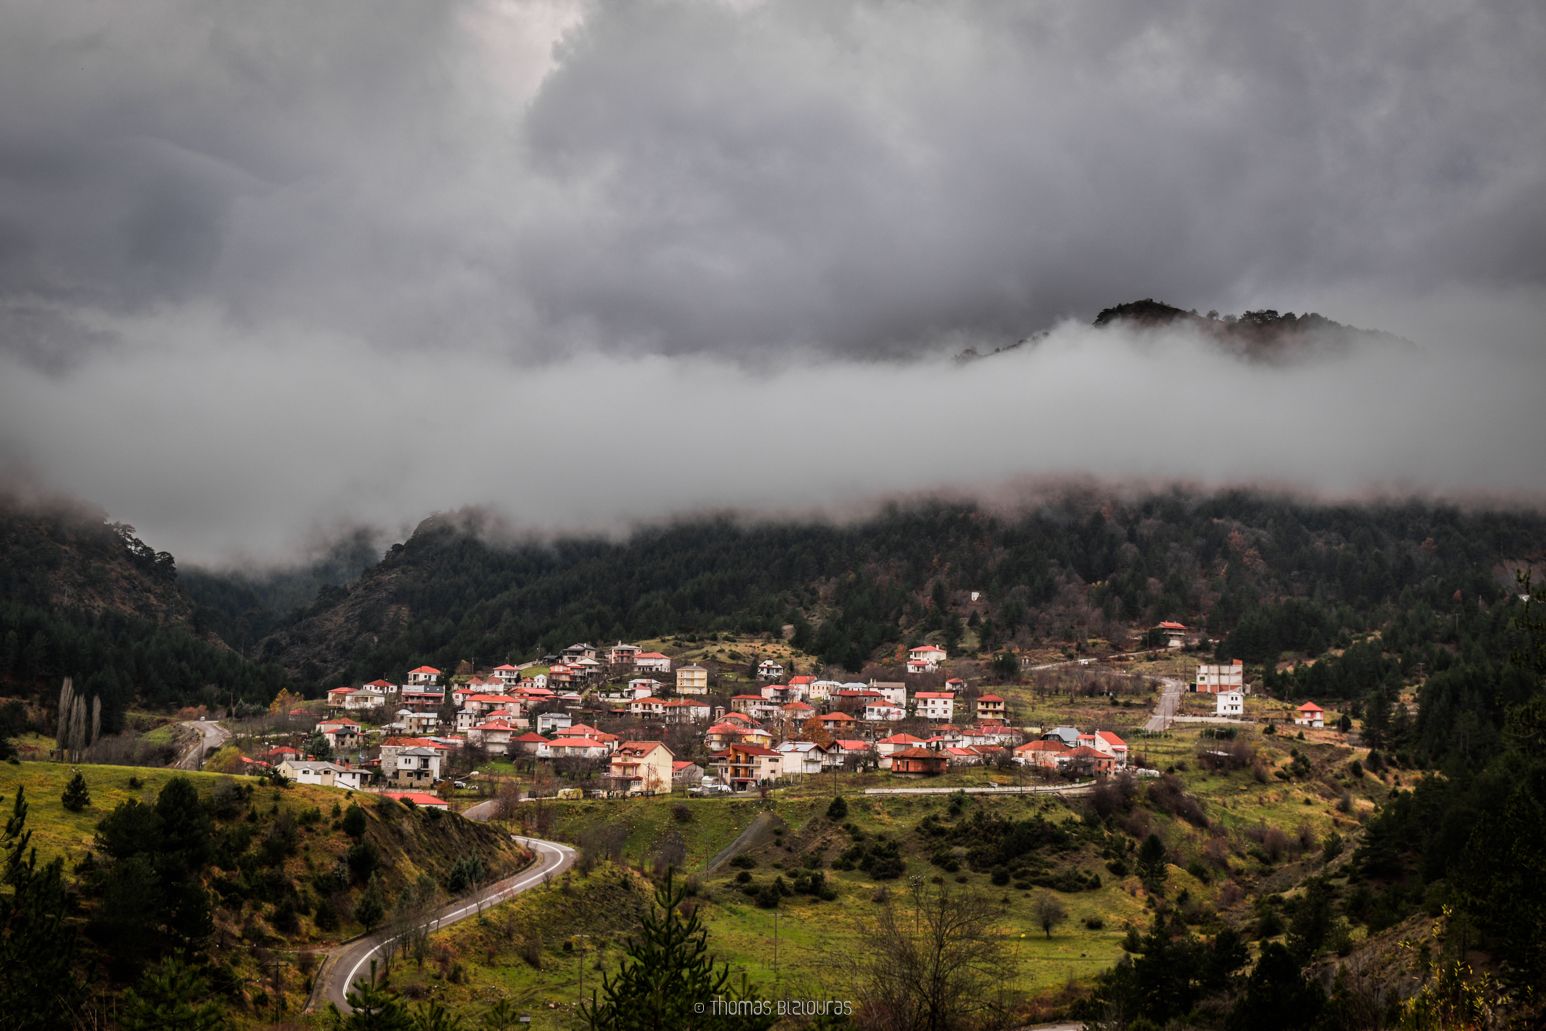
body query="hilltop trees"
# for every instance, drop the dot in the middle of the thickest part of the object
(150, 879)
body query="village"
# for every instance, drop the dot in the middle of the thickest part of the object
(620, 721)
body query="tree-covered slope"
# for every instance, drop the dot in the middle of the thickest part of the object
(1288, 575)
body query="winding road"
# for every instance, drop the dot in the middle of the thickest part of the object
(209, 737)
(351, 961)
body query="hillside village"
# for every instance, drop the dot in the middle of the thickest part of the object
(620, 720)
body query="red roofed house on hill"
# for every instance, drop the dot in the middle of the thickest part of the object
(424, 676)
(746, 766)
(919, 761)
(1310, 715)
(935, 705)
(652, 662)
(1173, 633)
(641, 768)
(925, 657)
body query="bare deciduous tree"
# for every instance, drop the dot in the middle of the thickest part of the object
(930, 963)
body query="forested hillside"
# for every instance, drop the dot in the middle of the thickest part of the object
(83, 597)
(1275, 575)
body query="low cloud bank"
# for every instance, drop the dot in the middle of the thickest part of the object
(249, 451)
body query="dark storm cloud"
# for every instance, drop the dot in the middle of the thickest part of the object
(858, 178)
(271, 267)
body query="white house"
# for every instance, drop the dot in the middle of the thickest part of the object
(309, 771)
(802, 757)
(935, 705)
(882, 711)
(424, 676)
(770, 669)
(926, 656)
(822, 690)
(1229, 703)
(644, 687)
(652, 662)
(573, 748)
(893, 691)
(548, 722)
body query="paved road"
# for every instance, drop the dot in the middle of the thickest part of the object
(351, 961)
(209, 737)
(1169, 702)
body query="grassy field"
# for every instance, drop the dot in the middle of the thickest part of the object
(58, 832)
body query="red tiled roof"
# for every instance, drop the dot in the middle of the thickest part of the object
(1310, 707)
(989, 698)
(531, 737)
(1110, 738)
(752, 750)
(425, 669)
(853, 745)
(933, 694)
(1171, 624)
(650, 655)
(342, 690)
(915, 753)
(418, 798)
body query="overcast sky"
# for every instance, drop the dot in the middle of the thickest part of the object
(270, 268)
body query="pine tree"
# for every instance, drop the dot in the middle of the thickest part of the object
(372, 1007)
(76, 795)
(669, 982)
(37, 947)
(371, 907)
(170, 994)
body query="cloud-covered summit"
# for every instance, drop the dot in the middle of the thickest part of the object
(267, 269)
(529, 177)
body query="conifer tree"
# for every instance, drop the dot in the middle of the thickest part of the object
(76, 795)
(37, 947)
(170, 994)
(669, 981)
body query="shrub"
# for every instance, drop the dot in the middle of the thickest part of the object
(838, 809)
(354, 821)
(1094, 923)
